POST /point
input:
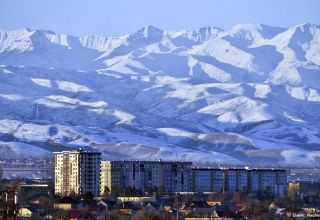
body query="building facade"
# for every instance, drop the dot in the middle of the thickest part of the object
(164, 175)
(239, 180)
(207, 180)
(77, 172)
(268, 180)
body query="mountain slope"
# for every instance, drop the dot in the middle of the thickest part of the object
(249, 94)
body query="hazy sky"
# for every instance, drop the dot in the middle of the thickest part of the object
(117, 17)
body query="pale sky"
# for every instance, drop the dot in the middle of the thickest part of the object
(118, 17)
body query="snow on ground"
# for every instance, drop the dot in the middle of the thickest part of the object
(24, 149)
(242, 94)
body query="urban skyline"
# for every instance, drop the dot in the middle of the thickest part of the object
(162, 110)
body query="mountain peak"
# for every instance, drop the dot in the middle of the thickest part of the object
(255, 27)
(210, 28)
(306, 26)
(247, 26)
(251, 31)
(151, 28)
(149, 31)
(26, 29)
(206, 33)
(203, 93)
(148, 34)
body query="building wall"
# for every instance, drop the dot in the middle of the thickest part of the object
(67, 178)
(89, 170)
(242, 180)
(180, 177)
(105, 177)
(239, 180)
(270, 180)
(166, 176)
(282, 182)
(231, 181)
(254, 181)
(207, 180)
(203, 180)
(64, 206)
(218, 180)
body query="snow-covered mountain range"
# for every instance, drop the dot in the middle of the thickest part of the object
(248, 94)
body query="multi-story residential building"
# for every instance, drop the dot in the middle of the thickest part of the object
(218, 180)
(239, 180)
(77, 172)
(270, 180)
(207, 180)
(282, 183)
(255, 181)
(235, 180)
(165, 175)
(204, 180)
(111, 176)
(242, 180)
(230, 180)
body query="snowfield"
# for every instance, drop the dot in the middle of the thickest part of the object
(250, 94)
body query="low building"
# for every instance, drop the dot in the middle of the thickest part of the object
(128, 208)
(136, 199)
(199, 208)
(66, 203)
(214, 203)
(34, 188)
(106, 204)
(216, 213)
(167, 202)
(28, 191)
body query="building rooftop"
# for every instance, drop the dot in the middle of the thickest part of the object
(79, 150)
(238, 169)
(34, 185)
(147, 161)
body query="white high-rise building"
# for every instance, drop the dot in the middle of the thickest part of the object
(77, 172)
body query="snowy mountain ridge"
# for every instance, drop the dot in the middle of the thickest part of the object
(249, 94)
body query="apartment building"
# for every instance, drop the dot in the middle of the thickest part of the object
(271, 180)
(239, 180)
(207, 180)
(168, 176)
(77, 172)
(80, 171)
(236, 180)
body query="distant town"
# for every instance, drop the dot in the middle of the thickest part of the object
(79, 184)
